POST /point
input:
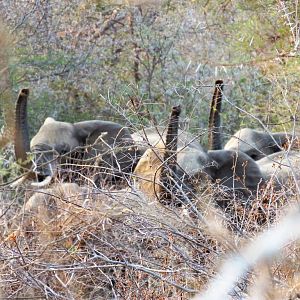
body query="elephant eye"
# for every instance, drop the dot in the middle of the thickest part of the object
(254, 156)
(62, 148)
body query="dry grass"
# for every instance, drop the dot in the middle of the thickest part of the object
(82, 242)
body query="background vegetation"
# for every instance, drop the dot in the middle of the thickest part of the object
(130, 61)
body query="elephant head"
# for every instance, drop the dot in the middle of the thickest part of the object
(170, 158)
(108, 140)
(235, 170)
(191, 157)
(254, 143)
(258, 144)
(232, 168)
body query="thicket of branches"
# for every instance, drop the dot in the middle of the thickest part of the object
(142, 57)
(130, 62)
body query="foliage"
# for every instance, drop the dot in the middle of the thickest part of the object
(89, 54)
(130, 61)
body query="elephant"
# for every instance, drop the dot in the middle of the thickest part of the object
(259, 149)
(233, 169)
(168, 153)
(254, 143)
(282, 168)
(258, 144)
(190, 154)
(107, 142)
(236, 171)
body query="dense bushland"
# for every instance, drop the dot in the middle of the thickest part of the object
(130, 62)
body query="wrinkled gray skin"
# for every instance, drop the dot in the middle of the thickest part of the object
(64, 137)
(282, 168)
(254, 143)
(191, 157)
(231, 167)
(257, 144)
(56, 138)
(234, 170)
(256, 154)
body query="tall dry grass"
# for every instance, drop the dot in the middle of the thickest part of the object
(75, 241)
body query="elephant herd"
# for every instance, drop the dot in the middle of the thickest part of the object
(164, 161)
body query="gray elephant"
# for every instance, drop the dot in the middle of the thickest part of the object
(275, 166)
(234, 170)
(258, 144)
(281, 168)
(254, 143)
(107, 142)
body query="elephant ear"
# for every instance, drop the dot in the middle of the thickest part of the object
(89, 131)
(101, 137)
(236, 170)
(282, 139)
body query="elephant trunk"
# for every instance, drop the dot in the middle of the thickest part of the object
(43, 183)
(21, 138)
(168, 173)
(214, 123)
(172, 138)
(45, 164)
